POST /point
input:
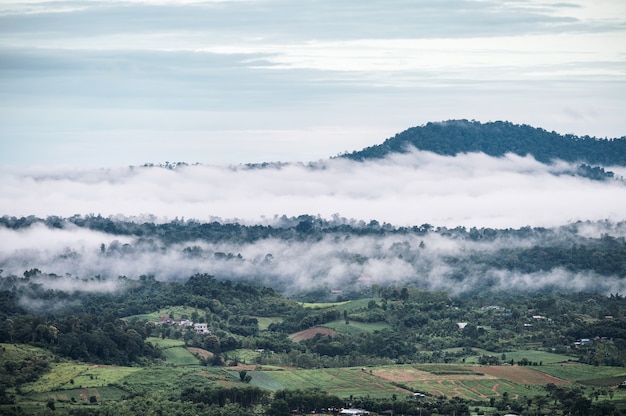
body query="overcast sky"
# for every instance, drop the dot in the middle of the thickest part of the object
(117, 83)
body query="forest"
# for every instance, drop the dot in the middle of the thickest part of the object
(498, 138)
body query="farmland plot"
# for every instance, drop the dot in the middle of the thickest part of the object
(474, 383)
(76, 375)
(355, 327)
(586, 374)
(179, 356)
(341, 382)
(521, 375)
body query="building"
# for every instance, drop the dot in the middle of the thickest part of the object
(201, 329)
(354, 412)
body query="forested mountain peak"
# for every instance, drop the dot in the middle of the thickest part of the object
(498, 138)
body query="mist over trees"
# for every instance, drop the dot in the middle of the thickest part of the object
(305, 254)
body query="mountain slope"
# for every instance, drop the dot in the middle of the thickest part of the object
(498, 138)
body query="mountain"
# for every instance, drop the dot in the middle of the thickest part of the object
(498, 138)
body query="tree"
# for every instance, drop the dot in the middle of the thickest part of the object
(244, 377)
(279, 407)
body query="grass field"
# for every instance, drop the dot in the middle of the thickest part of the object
(176, 311)
(341, 382)
(322, 305)
(354, 327)
(73, 383)
(531, 355)
(586, 374)
(172, 379)
(80, 395)
(311, 333)
(174, 351)
(265, 322)
(18, 352)
(437, 380)
(165, 343)
(70, 384)
(350, 306)
(474, 383)
(537, 356)
(180, 356)
(72, 375)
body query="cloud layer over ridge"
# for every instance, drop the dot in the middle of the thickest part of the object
(409, 189)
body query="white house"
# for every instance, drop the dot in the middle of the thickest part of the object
(201, 329)
(354, 412)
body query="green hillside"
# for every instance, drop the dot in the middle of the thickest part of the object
(498, 138)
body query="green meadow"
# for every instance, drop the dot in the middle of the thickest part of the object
(179, 356)
(342, 382)
(354, 327)
(265, 322)
(586, 374)
(535, 356)
(176, 312)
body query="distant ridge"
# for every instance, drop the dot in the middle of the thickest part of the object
(496, 139)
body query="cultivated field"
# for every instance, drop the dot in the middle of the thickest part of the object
(355, 328)
(586, 374)
(311, 333)
(70, 375)
(180, 356)
(469, 382)
(475, 383)
(342, 382)
(72, 383)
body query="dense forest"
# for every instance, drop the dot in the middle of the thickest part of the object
(498, 138)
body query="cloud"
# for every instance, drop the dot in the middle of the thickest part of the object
(472, 190)
(416, 188)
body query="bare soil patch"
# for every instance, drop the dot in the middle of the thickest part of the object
(202, 353)
(310, 333)
(521, 375)
(408, 374)
(240, 367)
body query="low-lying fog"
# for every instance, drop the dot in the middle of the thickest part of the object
(470, 190)
(416, 188)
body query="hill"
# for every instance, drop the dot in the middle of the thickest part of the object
(498, 138)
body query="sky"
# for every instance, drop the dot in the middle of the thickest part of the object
(107, 84)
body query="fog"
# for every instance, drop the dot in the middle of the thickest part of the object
(471, 190)
(93, 261)
(416, 188)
